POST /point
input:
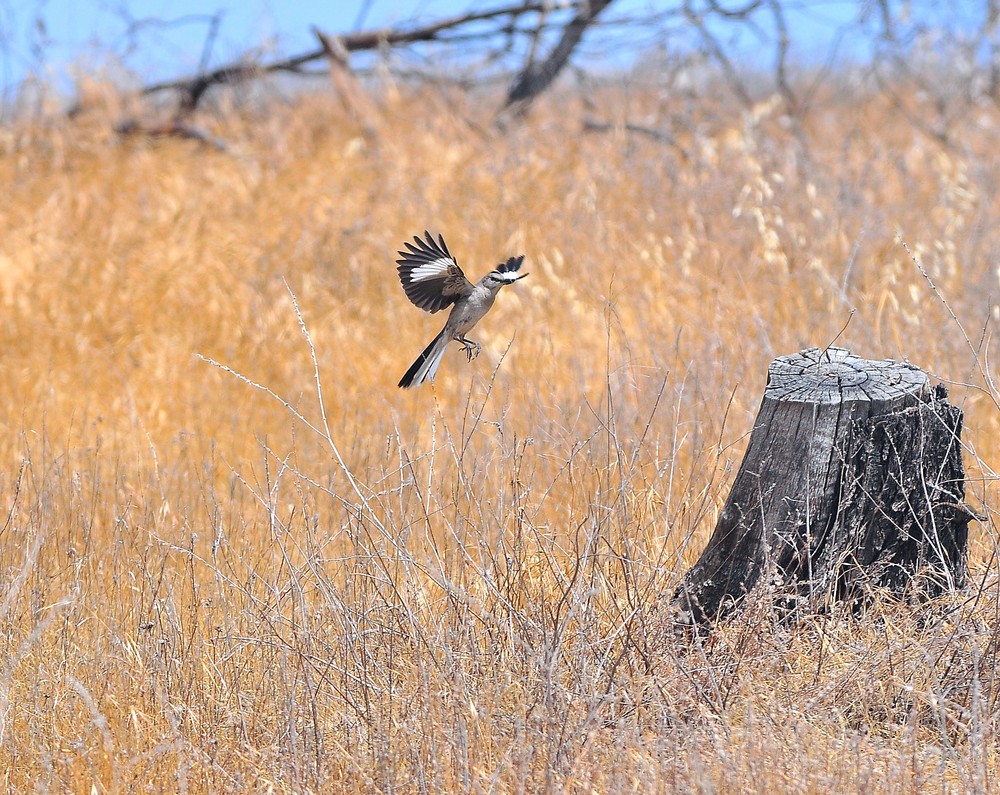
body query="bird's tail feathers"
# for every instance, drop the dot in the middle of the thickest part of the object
(427, 363)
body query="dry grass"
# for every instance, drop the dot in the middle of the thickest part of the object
(462, 588)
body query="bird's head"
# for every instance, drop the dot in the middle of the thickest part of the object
(507, 272)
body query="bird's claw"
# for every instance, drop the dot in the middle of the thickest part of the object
(472, 349)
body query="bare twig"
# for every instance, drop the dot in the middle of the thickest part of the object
(206, 50)
(781, 59)
(717, 51)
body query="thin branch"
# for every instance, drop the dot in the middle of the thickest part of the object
(206, 50)
(781, 59)
(735, 13)
(716, 51)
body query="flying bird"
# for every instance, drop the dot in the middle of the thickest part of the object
(433, 280)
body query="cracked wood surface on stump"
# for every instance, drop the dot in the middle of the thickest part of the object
(810, 498)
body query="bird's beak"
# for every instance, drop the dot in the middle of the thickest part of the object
(520, 276)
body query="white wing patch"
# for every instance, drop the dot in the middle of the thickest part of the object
(512, 276)
(432, 270)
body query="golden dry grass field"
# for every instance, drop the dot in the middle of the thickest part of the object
(301, 578)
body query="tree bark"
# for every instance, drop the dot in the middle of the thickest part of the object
(852, 481)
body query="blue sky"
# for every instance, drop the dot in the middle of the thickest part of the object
(47, 37)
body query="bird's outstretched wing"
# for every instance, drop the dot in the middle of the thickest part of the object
(429, 274)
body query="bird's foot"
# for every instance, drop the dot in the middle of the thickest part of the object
(472, 349)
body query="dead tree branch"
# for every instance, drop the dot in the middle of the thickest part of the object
(192, 89)
(537, 76)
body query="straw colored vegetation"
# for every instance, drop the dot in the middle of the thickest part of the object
(338, 586)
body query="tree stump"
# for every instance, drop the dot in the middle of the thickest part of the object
(852, 481)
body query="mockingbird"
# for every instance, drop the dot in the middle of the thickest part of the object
(433, 280)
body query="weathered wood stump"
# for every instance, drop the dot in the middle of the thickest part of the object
(852, 481)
